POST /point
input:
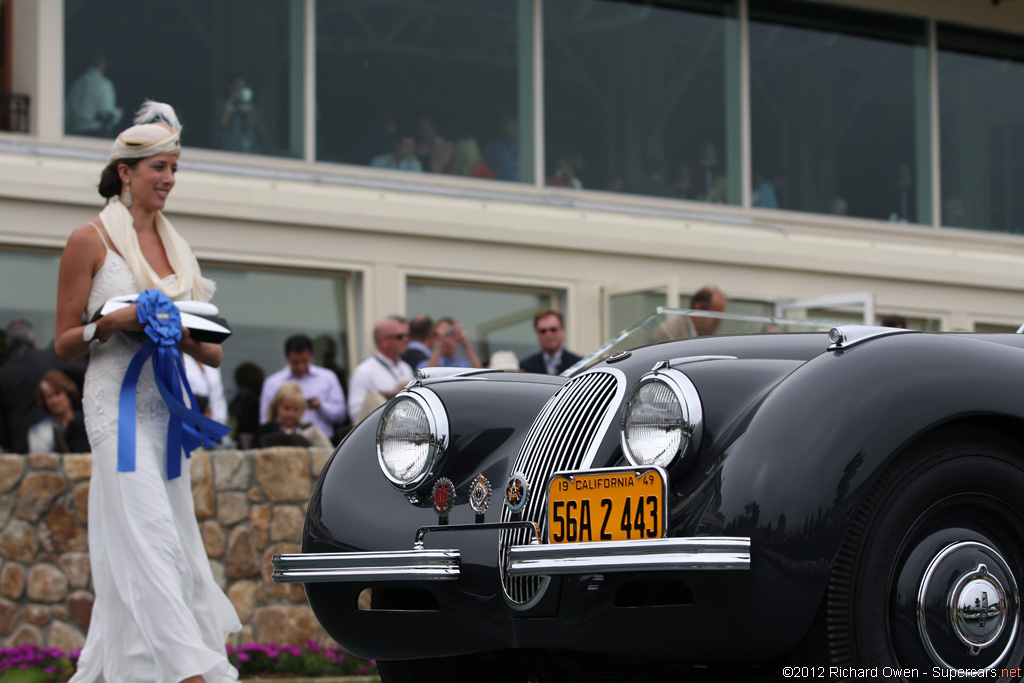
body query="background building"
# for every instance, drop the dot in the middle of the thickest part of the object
(859, 154)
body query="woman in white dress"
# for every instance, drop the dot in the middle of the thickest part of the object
(158, 613)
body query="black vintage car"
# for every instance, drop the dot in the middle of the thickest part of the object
(840, 501)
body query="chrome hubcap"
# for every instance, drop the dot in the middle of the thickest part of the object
(967, 605)
(977, 606)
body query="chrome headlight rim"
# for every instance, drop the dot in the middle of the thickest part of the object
(438, 425)
(689, 403)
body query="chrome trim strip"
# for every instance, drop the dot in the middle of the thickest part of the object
(445, 373)
(394, 565)
(655, 554)
(664, 364)
(850, 335)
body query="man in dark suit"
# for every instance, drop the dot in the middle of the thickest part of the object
(552, 359)
(421, 339)
(20, 373)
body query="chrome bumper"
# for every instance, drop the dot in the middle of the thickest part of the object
(395, 565)
(657, 554)
(654, 554)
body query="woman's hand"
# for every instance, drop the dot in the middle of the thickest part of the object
(125, 319)
(206, 353)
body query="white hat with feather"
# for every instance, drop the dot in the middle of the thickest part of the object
(156, 131)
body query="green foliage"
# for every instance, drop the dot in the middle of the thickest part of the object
(32, 664)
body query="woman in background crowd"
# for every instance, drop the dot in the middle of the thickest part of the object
(63, 430)
(284, 428)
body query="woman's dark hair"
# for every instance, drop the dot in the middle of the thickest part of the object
(110, 180)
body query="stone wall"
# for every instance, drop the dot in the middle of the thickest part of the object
(249, 504)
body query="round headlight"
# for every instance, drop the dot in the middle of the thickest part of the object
(661, 420)
(411, 438)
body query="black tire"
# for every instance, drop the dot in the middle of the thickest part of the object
(942, 527)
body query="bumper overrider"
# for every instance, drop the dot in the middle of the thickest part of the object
(533, 559)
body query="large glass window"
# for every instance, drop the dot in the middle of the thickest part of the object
(28, 291)
(981, 123)
(232, 69)
(839, 112)
(425, 86)
(643, 98)
(495, 318)
(261, 308)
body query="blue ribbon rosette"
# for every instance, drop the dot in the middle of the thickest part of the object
(187, 428)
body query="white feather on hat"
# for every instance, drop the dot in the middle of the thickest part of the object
(156, 131)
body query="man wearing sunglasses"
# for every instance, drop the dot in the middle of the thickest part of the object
(383, 374)
(553, 358)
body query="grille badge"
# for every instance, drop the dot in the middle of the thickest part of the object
(443, 497)
(517, 492)
(480, 495)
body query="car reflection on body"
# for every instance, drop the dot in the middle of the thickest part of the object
(837, 495)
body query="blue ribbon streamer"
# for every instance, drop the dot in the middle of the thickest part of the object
(187, 428)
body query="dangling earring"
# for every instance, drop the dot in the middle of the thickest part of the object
(128, 196)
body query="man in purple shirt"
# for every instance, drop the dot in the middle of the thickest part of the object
(324, 396)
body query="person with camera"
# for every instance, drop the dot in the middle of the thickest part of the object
(325, 399)
(240, 127)
(449, 337)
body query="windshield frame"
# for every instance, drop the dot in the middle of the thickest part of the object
(665, 319)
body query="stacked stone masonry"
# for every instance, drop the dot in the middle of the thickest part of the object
(249, 504)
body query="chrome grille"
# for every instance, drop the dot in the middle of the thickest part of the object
(565, 436)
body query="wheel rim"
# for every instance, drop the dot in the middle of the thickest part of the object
(955, 600)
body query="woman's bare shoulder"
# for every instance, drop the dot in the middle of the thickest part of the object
(85, 241)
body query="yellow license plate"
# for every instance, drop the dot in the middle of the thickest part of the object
(616, 504)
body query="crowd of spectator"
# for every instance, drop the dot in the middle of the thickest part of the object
(302, 403)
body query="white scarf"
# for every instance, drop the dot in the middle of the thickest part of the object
(189, 283)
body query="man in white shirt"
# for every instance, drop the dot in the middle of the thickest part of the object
(92, 102)
(383, 374)
(208, 388)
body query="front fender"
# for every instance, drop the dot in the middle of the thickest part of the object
(795, 469)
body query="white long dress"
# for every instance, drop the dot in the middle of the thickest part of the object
(158, 615)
